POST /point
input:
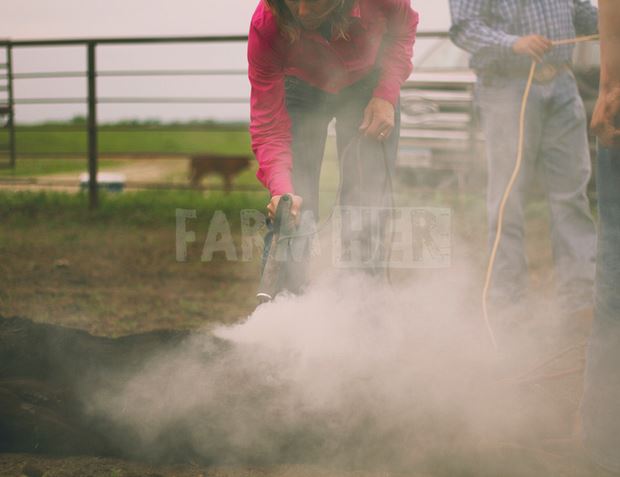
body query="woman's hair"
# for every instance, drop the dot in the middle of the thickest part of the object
(290, 26)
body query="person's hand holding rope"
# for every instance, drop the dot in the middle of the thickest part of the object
(378, 119)
(534, 46)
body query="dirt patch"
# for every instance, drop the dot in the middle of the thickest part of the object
(18, 465)
(117, 279)
(137, 171)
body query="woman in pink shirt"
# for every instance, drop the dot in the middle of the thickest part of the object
(314, 60)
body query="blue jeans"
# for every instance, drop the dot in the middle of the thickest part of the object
(555, 152)
(601, 403)
(364, 176)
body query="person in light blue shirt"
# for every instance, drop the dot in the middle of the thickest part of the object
(503, 37)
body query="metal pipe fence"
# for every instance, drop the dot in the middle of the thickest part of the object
(92, 99)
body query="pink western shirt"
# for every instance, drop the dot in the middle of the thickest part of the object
(381, 35)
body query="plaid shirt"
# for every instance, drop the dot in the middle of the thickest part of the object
(488, 28)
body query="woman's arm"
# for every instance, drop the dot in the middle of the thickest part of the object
(396, 61)
(270, 128)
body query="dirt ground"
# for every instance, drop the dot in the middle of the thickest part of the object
(121, 279)
(19, 465)
(541, 464)
(136, 171)
(118, 279)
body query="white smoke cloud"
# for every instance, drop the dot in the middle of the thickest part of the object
(353, 372)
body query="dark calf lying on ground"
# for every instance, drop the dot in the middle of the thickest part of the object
(48, 376)
(227, 167)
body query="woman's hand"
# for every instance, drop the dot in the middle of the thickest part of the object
(606, 117)
(295, 206)
(378, 120)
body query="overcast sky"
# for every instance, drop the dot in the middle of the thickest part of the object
(52, 19)
(22, 19)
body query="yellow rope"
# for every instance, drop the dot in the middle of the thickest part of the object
(513, 179)
(572, 41)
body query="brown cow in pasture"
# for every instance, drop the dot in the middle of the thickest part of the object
(227, 167)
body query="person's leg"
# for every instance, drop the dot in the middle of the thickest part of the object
(566, 165)
(600, 407)
(500, 101)
(309, 112)
(367, 166)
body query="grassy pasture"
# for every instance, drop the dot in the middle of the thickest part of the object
(56, 140)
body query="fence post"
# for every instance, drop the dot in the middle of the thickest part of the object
(93, 194)
(11, 120)
(474, 147)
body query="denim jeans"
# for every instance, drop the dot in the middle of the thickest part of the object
(601, 402)
(556, 153)
(364, 176)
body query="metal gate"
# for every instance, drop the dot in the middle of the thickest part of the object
(7, 124)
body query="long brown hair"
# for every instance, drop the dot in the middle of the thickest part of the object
(290, 26)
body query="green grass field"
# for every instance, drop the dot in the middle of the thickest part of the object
(135, 209)
(57, 140)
